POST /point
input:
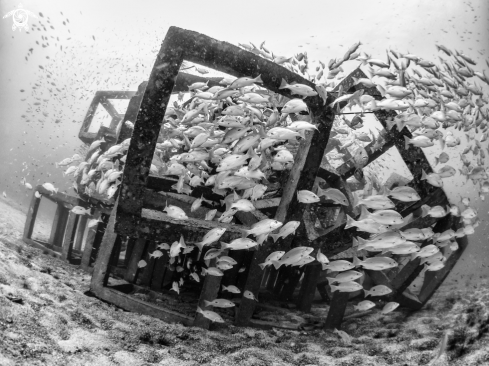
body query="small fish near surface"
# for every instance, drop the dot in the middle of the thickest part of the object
(79, 210)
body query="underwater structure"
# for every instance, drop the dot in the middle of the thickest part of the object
(120, 249)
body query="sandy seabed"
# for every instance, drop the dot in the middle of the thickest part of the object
(47, 318)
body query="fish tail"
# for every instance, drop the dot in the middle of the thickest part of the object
(333, 288)
(199, 310)
(366, 292)
(200, 246)
(262, 266)
(320, 192)
(390, 123)
(224, 288)
(424, 210)
(258, 79)
(363, 213)
(283, 84)
(275, 237)
(224, 245)
(330, 280)
(362, 243)
(406, 142)
(207, 303)
(276, 264)
(423, 175)
(350, 222)
(355, 81)
(244, 233)
(413, 256)
(356, 262)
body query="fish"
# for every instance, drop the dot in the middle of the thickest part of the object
(435, 211)
(294, 106)
(338, 266)
(244, 81)
(379, 290)
(426, 251)
(231, 288)
(321, 258)
(386, 217)
(219, 303)
(262, 227)
(212, 253)
(239, 244)
(432, 178)
(211, 315)
(286, 230)
(300, 89)
(292, 256)
(175, 212)
(142, 263)
(209, 216)
(389, 307)
(349, 286)
(333, 194)
(343, 335)
(376, 263)
(364, 305)
(212, 236)
(347, 276)
(250, 295)
(79, 210)
(49, 187)
(305, 196)
(213, 271)
(404, 194)
(275, 256)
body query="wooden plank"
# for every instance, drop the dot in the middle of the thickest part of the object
(55, 226)
(291, 283)
(80, 230)
(45, 247)
(337, 309)
(133, 304)
(69, 235)
(132, 267)
(101, 269)
(161, 227)
(129, 248)
(31, 216)
(208, 293)
(272, 278)
(159, 271)
(308, 288)
(144, 278)
(87, 250)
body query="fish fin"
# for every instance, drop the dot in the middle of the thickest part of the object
(283, 84)
(406, 142)
(276, 264)
(224, 245)
(356, 261)
(390, 123)
(244, 233)
(423, 175)
(355, 199)
(424, 210)
(362, 243)
(363, 213)
(350, 222)
(330, 280)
